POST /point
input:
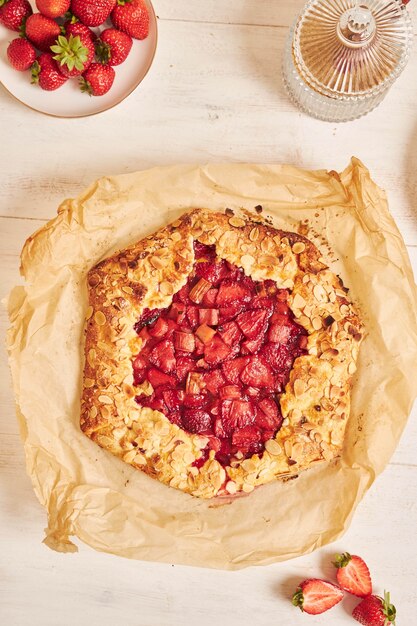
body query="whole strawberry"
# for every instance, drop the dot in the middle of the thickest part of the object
(132, 17)
(53, 8)
(41, 31)
(113, 46)
(353, 574)
(21, 54)
(375, 611)
(14, 12)
(98, 79)
(316, 596)
(45, 73)
(75, 28)
(73, 54)
(92, 12)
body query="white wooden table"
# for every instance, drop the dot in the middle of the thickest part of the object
(213, 94)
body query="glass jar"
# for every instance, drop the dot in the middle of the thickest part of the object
(342, 56)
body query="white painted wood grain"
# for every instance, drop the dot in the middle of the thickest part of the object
(213, 94)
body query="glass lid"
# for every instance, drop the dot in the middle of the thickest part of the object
(348, 48)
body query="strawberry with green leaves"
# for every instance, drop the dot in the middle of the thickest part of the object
(113, 46)
(92, 12)
(375, 611)
(316, 596)
(21, 54)
(45, 73)
(41, 31)
(353, 574)
(73, 54)
(13, 13)
(98, 79)
(53, 8)
(131, 17)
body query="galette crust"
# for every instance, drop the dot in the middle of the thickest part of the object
(316, 401)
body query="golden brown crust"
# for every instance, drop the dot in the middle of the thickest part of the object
(316, 401)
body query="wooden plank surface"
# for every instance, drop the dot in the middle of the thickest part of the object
(214, 94)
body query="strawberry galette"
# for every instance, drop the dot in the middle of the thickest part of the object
(219, 354)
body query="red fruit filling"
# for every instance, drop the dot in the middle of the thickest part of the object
(219, 356)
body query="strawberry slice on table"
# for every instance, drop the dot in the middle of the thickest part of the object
(13, 13)
(353, 574)
(375, 611)
(316, 596)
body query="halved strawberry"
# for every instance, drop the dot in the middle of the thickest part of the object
(214, 381)
(257, 374)
(241, 414)
(211, 271)
(196, 421)
(230, 333)
(232, 369)
(375, 611)
(316, 596)
(185, 364)
(173, 398)
(252, 323)
(157, 378)
(230, 311)
(208, 316)
(210, 296)
(184, 341)
(353, 574)
(230, 391)
(231, 291)
(163, 356)
(269, 417)
(159, 328)
(178, 312)
(216, 351)
(251, 346)
(244, 438)
(277, 356)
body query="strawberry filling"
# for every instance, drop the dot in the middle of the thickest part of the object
(219, 356)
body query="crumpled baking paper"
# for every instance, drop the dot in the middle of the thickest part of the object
(90, 494)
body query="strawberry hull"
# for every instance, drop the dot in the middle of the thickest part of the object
(219, 356)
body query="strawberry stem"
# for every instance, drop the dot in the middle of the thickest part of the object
(298, 598)
(342, 560)
(70, 52)
(388, 609)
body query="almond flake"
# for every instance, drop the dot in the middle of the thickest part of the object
(298, 247)
(351, 368)
(237, 222)
(298, 301)
(99, 318)
(254, 234)
(247, 259)
(316, 323)
(166, 288)
(105, 400)
(88, 382)
(89, 312)
(299, 387)
(273, 447)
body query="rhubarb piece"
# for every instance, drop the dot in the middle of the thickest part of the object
(209, 316)
(197, 292)
(205, 333)
(195, 383)
(184, 341)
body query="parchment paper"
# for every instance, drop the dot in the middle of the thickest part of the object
(90, 494)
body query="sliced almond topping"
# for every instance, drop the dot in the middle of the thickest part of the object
(158, 263)
(351, 368)
(267, 245)
(99, 318)
(344, 310)
(268, 259)
(273, 447)
(247, 259)
(288, 447)
(299, 387)
(89, 312)
(166, 288)
(319, 293)
(316, 323)
(231, 487)
(298, 301)
(88, 382)
(105, 399)
(254, 234)
(129, 456)
(298, 247)
(248, 465)
(127, 289)
(237, 222)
